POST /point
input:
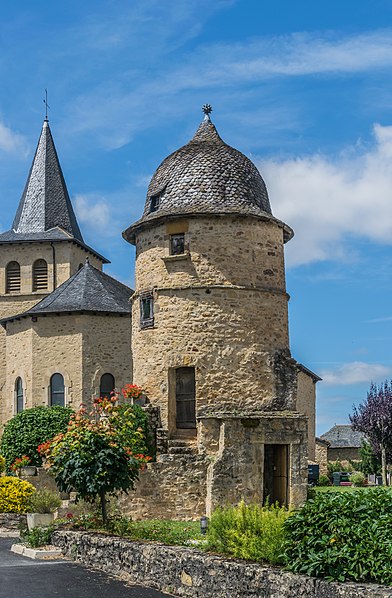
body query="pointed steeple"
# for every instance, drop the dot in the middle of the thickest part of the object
(45, 203)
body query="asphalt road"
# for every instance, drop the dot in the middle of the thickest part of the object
(21, 577)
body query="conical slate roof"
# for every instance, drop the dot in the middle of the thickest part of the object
(45, 202)
(205, 176)
(89, 290)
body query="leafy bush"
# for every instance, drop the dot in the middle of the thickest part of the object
(14, 494)
(248, 532)
(2, 464)
(342, 536)
(357, 478)
(38, 536)
(323, 481)
(24, 432)
(43, 501)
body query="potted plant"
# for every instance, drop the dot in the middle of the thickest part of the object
(21, 466)
(42, 508)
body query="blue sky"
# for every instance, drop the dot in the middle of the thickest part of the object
(304, 89)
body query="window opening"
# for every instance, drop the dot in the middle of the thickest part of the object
(146, 310)
(40, 275)
(57, 390)
(19, 395)
(155, 200)
(12, 284)
(106, 386)
(177, 244)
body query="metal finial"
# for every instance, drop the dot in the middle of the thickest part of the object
(207, 109)
(46, 104)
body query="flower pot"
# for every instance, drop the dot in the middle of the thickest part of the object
(28, 470)
(40, 519)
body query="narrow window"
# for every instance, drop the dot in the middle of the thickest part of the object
(12, 283)
(19, 395)
(185, 398)
(155, 200)
(57, 390)
(177, 244)
(146, 310)
(106, 386)
(40, 275)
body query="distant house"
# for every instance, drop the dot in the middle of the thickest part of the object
(344, 443)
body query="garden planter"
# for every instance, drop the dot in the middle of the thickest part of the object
(28, 470)
(40, 519)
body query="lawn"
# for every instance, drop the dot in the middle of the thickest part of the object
(322, 489)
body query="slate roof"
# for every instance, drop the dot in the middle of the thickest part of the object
(45, 212)
(89, 290)
(343, 436)
(206, 176)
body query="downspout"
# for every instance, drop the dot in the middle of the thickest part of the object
(54, 265)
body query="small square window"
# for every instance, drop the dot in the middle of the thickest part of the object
(155, 200)
(177, 244)
(146, 310)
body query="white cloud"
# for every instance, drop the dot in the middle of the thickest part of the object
(92, 211)
(328, 200)
(356, 372)
(11, 142)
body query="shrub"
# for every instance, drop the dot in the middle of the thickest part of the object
(342, 536)
(14, 494)
(2, 464)
(38, 536)
(248, 532)
(323, 481)
(24, 432)
(358, 478)
(43, 501)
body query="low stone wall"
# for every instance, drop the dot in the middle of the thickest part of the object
(187, 572)
(12, 521)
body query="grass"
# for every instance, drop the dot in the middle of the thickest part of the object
(323, 489)
(169, 532)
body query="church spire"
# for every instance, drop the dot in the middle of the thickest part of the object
(45, 202)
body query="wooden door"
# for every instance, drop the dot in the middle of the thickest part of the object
(185, 398)
(276, 473)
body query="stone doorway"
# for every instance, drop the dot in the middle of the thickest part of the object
(185, 398)
(276, 473)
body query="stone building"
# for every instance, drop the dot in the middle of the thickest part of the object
(343, 443)
(58, 310)
(205, 332)
(210, 336)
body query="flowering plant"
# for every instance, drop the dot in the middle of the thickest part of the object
(19, 463)
(132, 391)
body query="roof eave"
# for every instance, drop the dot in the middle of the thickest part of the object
(102, 258)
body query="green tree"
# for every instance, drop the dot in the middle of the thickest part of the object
(370, 462)
(100, 453)
(30, 428)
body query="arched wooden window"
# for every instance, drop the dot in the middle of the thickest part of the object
(40, 275)
(19, 395)
(107, 385)
(12, 278)
(57, 390)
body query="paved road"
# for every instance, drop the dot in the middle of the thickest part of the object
(21, 577)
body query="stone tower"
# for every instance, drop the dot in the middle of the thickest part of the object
(43, 249)
(210, 321)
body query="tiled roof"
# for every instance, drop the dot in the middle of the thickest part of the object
(343, 436)
(206, 176)
(45, 202)
(89, 290)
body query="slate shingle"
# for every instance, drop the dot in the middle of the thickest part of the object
(343, 436)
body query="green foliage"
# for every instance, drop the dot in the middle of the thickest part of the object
(2, 464)
(38, 536)
(323, 481)
(248, 532)
(168, 532)
(98, 453)
(370, 462)
(24, 432)
(358, 478)
(43, 501)
(132, 418)
(14, 494)
(335, 466)
(342, 536)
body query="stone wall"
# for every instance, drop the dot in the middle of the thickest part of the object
(343, 454)
(306, 403)
(321, 457)
(12, 521)
(185, 572)
(221, 308)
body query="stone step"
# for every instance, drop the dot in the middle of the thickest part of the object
(181, 450)
(181, 442)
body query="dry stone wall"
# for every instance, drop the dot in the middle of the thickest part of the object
(185, 572)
